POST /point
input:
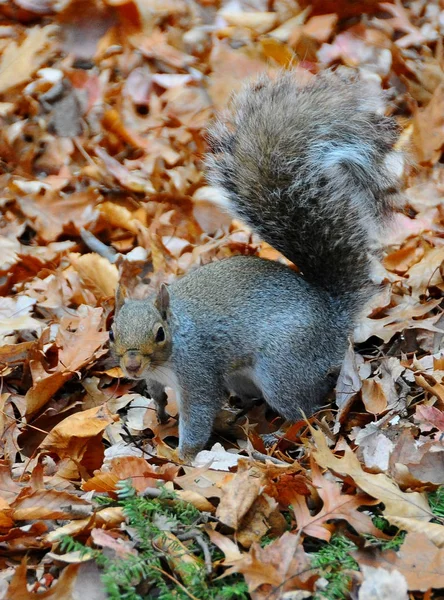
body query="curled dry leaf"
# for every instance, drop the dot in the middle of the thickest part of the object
(97, 274)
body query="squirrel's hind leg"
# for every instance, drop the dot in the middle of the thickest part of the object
(290, 391)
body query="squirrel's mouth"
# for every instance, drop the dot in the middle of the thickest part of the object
(134, 365)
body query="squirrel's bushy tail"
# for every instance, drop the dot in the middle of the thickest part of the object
(312, 168)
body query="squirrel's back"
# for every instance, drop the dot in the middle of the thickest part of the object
(312, 168)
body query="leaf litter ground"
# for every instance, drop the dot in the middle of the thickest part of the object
(103, 108)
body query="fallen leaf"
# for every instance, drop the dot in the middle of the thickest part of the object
(381, 487)
(49, 504)
(418, 560)
(18, 63)
(280, 567)
(336, 505)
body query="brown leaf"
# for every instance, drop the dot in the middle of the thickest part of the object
(18, 63)
(335, 506)
(141, 473)
(381, 487)
(280, 567)
(97, 274)
(428, 128)
(373, 396)
(110, 517)
(418, 559)
(52, 214)
(239, 495)
(79, 438)
(401, 22)
(62, 590)
(49, 504)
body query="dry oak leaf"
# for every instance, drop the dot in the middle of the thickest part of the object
(428, 128)
(54, 212)
(426, 273)
(401, 22)
(141, 473)
(6, 520)
(415, 462)
(19, 63)
(62, 590)
(106, 518)
(335, 506)
(431, 383)
(280, 567)
(250, 501)
(76, 349)
(381, 487)
(405, 315)
(418, 559)
(29, 536)
(252, 480)
(76, 435)
(49, 504)
(433, 531)
(239, 495)
(112, 541)
(119, 216)
(156, 46)
(15, 315)
(430, 415)
(127, 178)
(96, 273)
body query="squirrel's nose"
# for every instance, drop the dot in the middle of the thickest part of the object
(132, 363)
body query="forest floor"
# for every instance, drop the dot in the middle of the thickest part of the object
(103, 112)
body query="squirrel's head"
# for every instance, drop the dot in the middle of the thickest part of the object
(140, 335)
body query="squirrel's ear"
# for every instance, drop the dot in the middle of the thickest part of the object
(121, 296)
(163, 301)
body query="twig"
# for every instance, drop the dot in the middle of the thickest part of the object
(196, 535)
(264, 457)
(97, 246)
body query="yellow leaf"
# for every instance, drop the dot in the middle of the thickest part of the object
(18, 63)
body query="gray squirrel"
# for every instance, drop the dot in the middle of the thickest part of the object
(311, 167)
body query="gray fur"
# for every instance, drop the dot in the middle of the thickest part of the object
(305, 167)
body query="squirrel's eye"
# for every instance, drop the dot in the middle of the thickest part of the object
(160, 335)
(111, 335)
